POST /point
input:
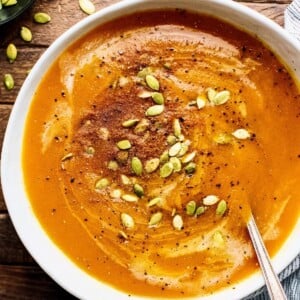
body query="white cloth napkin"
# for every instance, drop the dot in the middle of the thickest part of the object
(292, 19)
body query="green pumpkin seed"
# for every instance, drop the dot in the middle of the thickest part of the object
(8, 81)
(101, 184)
(142, 126)
(116, 193)
(154, 201)
(200, 210)
(138, 190)
(127, 221)
(164, 157)
(152, 82)
(125, 180)
(87, 6)
(171, 139)
(177, 222)
(129, 198)
(184, 148)
(130, 123)
(144, 72)
(175, 149)
(124, 145)
(176, 164)
(41, 18)
(188, 157)
(9, 2)
(200, 101)
(113, 165)
(11, 52)
(166, 170)
(151, 165)
(190, 168)
(177, 128)
(211, 93)
(136, 166)
(26, 34)
(158, 98)
(221, 97)
(154, 110)
(221, 208)
(155, 218)
(223, 138)
(210, 200)
(241, 134)
(190, 208)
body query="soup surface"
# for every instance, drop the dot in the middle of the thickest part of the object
(145, 144)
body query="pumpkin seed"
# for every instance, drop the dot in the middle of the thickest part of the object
(154, 110)
(171, 139)
(152, 82)
(155, 218)
(211, 94)
(87, 6)
(176, 128)
(190, 208)
(116, 193)
(125, 180)
(210, 200)
(41, 18)
(200, 210)
(11, 52)
(129, 198)
(144, 72)
(221, 208)
(144, 94)
(101, 184)
(154, 201)
(188, 157)
(141, 126)
(151, 165)
(164, 157)
(223, 138)
(130, 123)
(184, 148)
(177, 222)
(136, 166)
(9, 2)
(127, 221)
(138, 190)
(158, 98)
(67, 156)
(175, 149)
(113, 165)
(176, 164)
(124, 145)
(241, 134)
(190, 168)
(8, 81)
(166, 170)
(26, 34)
(221, 98)
(200, 102)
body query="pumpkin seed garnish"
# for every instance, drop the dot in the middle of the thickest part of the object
(26, 34)
(129, 198)
(171, 139)
(136, 166)
(113, 165)
(164, 157)
(211, 93)
(200, 101)
(155, 218)
(125, 180)
(184, 148)
(154, 110)
(188, 157)
(124, 145)
(223, 138)
(154, 201)
(166, 170)
(41, 18)
(175, 149)
(190, 168)
(101, 184)
(11, 52)
(151, 165)
(67, 156)
(138, 190)
(144, 94)
(210, 200)
(221, 208)
(142, 126)
(200, 210)
(130, 123)
(152, 82)
(177, 222)
(127, 221)
(116, 193)
(190, 208)
(158, 98)
(9, 2)
(8, 81)
(241, 134)
(144, 72)
(177, 128)
(87, 6)
(221, 98)
(176, 164)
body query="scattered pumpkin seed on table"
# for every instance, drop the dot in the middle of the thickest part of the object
(11, 52)
(87, 6)
(8, 81)
(41, 18)
(26, 34)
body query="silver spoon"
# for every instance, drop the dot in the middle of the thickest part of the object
(274, 286)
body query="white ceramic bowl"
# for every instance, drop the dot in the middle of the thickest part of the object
(35, 239)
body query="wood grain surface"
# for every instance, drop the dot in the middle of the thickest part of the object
(20, 276)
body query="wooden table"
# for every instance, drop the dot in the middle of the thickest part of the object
(20, 276)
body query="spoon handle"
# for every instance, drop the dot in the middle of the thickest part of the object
(274, 286)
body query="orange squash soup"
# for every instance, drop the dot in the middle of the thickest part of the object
(148, 140)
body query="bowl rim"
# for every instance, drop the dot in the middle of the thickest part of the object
(23, 218)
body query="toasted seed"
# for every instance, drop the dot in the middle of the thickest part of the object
(130, 123)
(151, 165)
(155, 218)
(144, 94)
(188, 157)
(152, 82)
(9, 2)
(136, 166)
(67, 156)
(190, 208)
(8, 81)
(90, 150)
(200, 101)
(138, 190)
(144, 72)
(26, 34)
(221, 208)
(175, 149)
(123, 235)
(176, 164)
(241, 134)
(218, 239)
(223, 138)
(177, 222)
(101, 184)
(221, 97)
(184, 148)
(200, 210)
(171, 139)
(125, 180)
(11, 52)
(41, 18)
(210, 200)
(142, 126)
(113, 165)
(177, 128)
(164, 157)
(154, 201)
(122, 157)
(154, 110)
(116, 193)
(129, 198)
(124, 145)
(158, 98)
(166, 170)
(127, 221)
(87, 6)
(190, 168)
(211, 93)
